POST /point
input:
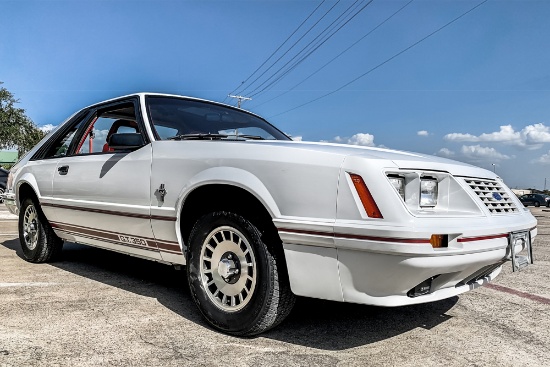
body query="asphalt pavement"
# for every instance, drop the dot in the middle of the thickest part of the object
(99, 308)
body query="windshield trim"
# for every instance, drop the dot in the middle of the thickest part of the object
(148, 97)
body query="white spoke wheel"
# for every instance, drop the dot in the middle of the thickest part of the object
(30, 227)
(228, 268)
(38, 240)
(237, 280)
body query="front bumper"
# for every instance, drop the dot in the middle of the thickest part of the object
(372, 270)
(11, 204)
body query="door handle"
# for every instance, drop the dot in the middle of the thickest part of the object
(63, 170)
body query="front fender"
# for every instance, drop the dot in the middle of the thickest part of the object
(229, 176)
(29, 179)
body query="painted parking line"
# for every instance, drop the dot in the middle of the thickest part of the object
(8, 216)
(521, 294)
(33, 284)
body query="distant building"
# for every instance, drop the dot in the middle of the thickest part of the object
(520, 192)
(7, 157)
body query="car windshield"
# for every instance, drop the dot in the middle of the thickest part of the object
(183, 119)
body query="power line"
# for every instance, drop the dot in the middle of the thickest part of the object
(311, 50)
(386, 61)
(337, 56)
(278, 48)
(306, 46)
(291, 47)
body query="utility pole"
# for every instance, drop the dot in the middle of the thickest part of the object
(494, 168)
(545, 184)
(239, 98)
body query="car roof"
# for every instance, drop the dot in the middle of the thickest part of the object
(143, 94)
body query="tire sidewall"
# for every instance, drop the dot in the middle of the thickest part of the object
(242, 320)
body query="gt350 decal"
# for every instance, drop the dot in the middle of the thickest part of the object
(132, 240)
(144, 243)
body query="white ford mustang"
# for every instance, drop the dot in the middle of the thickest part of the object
(258, 218)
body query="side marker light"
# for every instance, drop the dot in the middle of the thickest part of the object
(366, 198)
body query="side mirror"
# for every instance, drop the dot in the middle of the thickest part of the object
(125, 141)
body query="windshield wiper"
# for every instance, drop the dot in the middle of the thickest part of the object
(251, 137)
(244, 136)
(210, 136)
(198, 136)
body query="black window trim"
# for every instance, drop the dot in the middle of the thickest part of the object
(78, 117)
(98, 109)
(87, 115)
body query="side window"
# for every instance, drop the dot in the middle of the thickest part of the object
(60, 147)
(121, 119)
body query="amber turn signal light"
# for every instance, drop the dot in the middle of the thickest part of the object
(366, 198)
(439, 240)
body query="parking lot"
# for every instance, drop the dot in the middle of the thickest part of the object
(101, 308)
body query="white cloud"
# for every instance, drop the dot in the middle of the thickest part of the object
(479, 153)
(47, 128)
(530, 137)
(295, 138)
(460, 137)
(536, 134)
(506, 134)
(362, 139)
(422, 133)
(544, 159)
(444, 152)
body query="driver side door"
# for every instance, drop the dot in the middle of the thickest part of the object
(101, 196)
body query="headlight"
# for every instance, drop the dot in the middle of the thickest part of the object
(398, 183)
(428, 192)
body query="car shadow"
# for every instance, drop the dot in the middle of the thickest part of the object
(337, 326)
(312, 323)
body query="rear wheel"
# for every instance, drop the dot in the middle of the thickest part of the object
(38, 240)
(537, 204)
(2, 190)
(235, 277)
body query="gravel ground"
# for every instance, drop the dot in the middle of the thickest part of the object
(98, 308)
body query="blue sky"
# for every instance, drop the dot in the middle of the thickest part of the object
(476, 91)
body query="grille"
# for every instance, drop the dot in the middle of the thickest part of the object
(486, 190)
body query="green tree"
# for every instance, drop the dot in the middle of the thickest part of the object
(16, 129)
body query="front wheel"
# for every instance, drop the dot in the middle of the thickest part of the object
(38, 240)
(537, 204)
(236, 279)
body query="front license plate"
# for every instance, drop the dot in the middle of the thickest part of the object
(524, 257)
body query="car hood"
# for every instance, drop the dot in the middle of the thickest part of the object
(401, 159)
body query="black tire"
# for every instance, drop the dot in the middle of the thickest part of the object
(2, 190)
(38, 240)
(537, 204)
(260, 304)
